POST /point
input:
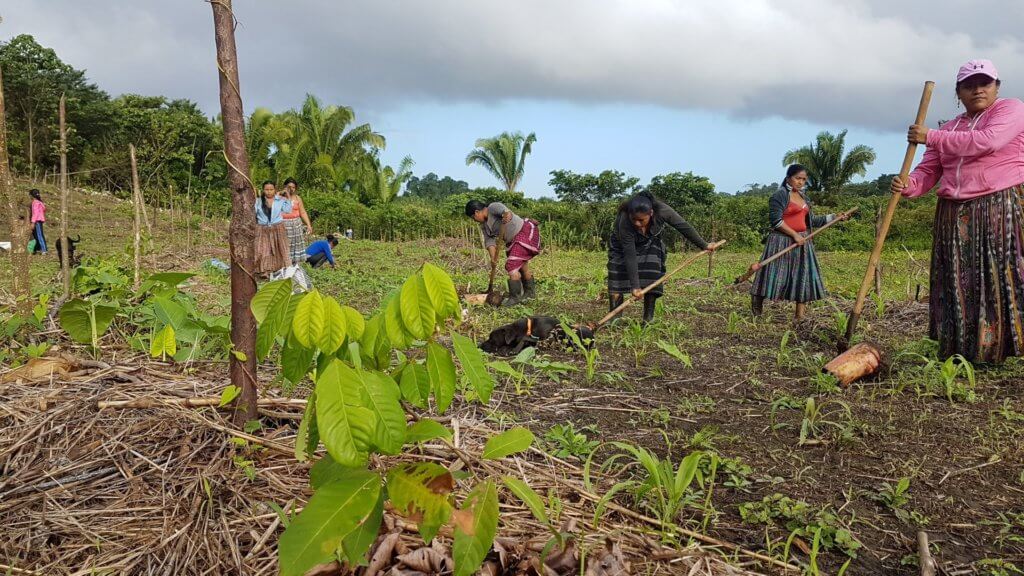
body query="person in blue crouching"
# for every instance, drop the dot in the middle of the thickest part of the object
(319, 252)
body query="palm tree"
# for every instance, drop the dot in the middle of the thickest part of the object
(389, 181)
(504, 156)
(828, 170)
(324, 149)
(266, 134)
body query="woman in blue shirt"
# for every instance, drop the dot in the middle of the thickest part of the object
(271, 236)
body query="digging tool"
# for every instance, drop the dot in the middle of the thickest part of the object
(626, 302)
(758, 265)
(883, 229)
(492, 296)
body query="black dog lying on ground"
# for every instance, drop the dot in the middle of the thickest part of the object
(73, 260)
(510, 339)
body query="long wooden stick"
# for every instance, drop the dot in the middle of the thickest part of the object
(656, 283)
(196, 402)
(758, 265)
(883, 230)
(137, 202)
(494, 261)
(65, 252)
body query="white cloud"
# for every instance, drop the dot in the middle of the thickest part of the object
(859, 62)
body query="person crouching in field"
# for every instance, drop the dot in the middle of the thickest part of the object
(636, 252)
(320, 252)
(271, 238)
(522, 243)
(796, 276)
(977, 270)
(296, 222)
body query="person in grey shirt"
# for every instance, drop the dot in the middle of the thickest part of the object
(522, 243)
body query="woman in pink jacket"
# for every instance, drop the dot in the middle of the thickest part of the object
(977, 272)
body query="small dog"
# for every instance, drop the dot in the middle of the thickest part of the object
(510, 339)
(73, 261)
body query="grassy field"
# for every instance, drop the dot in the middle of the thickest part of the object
(916, 447)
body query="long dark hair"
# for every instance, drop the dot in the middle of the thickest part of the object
(641, 203)
(474, 206)
(791, 171)
(35, 194)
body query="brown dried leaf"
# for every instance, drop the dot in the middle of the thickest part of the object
(426, 560)
(382, 555)
(41, 369)
(608, 562)
(564, 561)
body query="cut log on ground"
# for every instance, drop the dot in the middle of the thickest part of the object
(858, 362)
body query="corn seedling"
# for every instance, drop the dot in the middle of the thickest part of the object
(570, 442)
(586, 348)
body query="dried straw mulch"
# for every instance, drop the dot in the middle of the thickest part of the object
(164, 490)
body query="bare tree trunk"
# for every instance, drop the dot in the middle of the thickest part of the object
(137, 203)
(65, 264)
(242, 231)
(31, 148)
(19, 226)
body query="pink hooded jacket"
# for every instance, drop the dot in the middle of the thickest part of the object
(973, 157)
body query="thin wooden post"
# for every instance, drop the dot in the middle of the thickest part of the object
(711, 255)
(137, 203)
(242, 231)
(65, 256)
(19, 226)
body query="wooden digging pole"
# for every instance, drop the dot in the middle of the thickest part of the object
(137, 223)
(65, 264)
(883, 229)
(19, 227)
(242, 231)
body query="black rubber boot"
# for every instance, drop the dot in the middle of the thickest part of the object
(757, 305)
(529, 289)
(649, 301)
(614, 301)
(515, 293)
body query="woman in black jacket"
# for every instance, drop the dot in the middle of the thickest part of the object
(636, 253)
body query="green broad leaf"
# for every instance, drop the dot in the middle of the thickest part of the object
(228, 395)
(414, 382)
(289, 315)
(270, 299)
(335, 511)
(355, 324)
(379, 393)
(441, 372)
(295, 360)
(393, 325)
(326, 471)
(426, 429)
(417, 315)
(167, 278)
(420, 491)
(307, 437)
(335, 328)
(507, 443)
(346, 426)
(472, 362)
(355, 546)
(503, 367)
(674, 351)
(163, 343)
(532, 500)
(476, 524)
(441, 291)
(85, 321)
(308, 323)
(266, 336)
(372, 335)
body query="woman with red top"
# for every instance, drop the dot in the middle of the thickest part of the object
(795, 276)
(293, 222)
(977, 272)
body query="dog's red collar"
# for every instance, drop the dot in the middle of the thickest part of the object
(529, 326)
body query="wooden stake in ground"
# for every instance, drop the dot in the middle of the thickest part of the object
(19, 226)
(883, 229)
(137, 203)
(242, 232)
(65, 264)
(711, 255)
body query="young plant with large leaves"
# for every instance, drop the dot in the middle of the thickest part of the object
(362, 372)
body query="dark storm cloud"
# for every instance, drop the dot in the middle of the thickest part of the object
(858, 63)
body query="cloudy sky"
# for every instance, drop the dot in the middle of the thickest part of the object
(718, 87)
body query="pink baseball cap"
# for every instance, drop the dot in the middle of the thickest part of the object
(972, 67)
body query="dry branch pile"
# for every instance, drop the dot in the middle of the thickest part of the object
(172, 489)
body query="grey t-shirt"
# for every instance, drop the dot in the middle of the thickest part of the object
(492, 226)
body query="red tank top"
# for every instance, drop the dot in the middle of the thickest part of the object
(795, 216)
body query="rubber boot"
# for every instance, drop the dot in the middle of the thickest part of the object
(614, 301)
(757, 305)
(529, 289)
(515, 293)
(649, 301)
